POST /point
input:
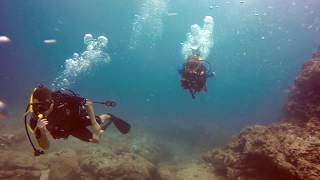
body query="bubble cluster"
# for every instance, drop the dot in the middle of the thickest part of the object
(81, 63)
(149, 21)
(199, 39)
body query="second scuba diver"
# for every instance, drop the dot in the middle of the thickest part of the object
(66, 113)
(194, 74)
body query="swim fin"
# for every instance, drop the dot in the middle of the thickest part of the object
(120, 124)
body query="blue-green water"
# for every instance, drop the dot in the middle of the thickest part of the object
(258, 49)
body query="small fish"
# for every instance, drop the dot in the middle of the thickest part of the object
(241, 2)
(4, 39)
(3, 111)
(172, 14)
(50, 41)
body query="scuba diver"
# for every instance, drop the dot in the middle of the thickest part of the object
(63, 113)
(194, 73)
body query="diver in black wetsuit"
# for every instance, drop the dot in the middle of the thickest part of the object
(64, 114)
(194, 75)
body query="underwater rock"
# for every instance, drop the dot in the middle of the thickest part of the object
(71, 164)
(281, 151)
(7, 141)
(304, 99)
(61, 165)
(126, 166)
(57, 165)
(18, 166)
(196, 171)
(152, 150)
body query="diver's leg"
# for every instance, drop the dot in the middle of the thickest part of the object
(105, 121)
(95, 126)
(105, 117)
(83, 134)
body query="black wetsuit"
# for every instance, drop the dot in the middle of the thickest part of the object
(67, 118)
(194, 77)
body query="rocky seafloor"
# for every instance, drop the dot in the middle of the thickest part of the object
(124, 158)
(287, 149)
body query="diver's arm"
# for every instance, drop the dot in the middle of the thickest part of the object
(90, 110)
(41, 135)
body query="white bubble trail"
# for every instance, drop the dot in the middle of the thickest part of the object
(81, 63)
(149, 22)
(199, 39)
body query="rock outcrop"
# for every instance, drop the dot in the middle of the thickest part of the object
(304, 100)
(281, 151)
(16, 166)
(194, 170)
(285, 150)
(108, 165)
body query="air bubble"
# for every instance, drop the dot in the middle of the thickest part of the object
(80, 63)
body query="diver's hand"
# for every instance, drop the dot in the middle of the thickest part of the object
(42, 123)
